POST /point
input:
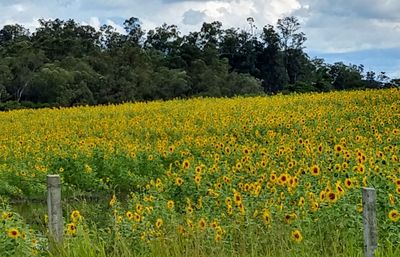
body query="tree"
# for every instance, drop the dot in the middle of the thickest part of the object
(110, 39)
(51, 84)
(345, 77)
(291, 42)
(270, 61)
(241, 50)
(5, 79)
(395, 82)
(383, 78)
(134, 30)
(10, 34)
(170, 83)
(58, 39)
(321, 79)
(163, 39)
(23, 67)
(371, 80)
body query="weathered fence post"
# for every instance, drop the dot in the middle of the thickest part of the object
(369, 221)
(54, 210)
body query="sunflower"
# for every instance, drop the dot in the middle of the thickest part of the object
(283, 178)
(293, 181)
(392, 200)
(226, 179)
(296, 236)
(266, 217)
(159, 223)
(288, 218)
(282, 196)
(181, 230)
(139, 208)
(197, 179)
(75, 215)
(263, 164)
(198, 169)
(332, 197)
(237, 198)
(189, 223)
(315, 170)
(186, 164)
(394, 215)
(189, 209)
(202, 224)
(129, 215)
(136, 217)
(71, 229)
(360, 169)
(229, 209)
(214, 224)
(340, 190)
(199, 204)
(13, 233)
(158, 182)
(241, 208)
(338, 148)
(218, 237)
(272, 177)
(322, 195)
(170, 204)
(301, 202)
(314, 206)
(178, 181)
(6, 215)
(113, 200)
(365, 181)
(348, 183)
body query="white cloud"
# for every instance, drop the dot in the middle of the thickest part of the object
(343, 26)
(94, 22)
(117, 27)
(192, 17)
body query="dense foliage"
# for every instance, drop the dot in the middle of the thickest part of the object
(252, 176)
(63, 63)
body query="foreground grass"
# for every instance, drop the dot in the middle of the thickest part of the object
(252, 244)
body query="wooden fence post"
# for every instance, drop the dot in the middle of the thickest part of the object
(369, 221)
(54, 210)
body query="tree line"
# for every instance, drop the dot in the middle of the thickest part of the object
(64, 63)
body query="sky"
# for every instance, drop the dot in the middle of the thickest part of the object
(353, 31)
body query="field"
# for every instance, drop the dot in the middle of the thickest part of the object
(248, 176)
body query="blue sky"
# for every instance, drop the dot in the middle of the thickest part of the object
(352, 31)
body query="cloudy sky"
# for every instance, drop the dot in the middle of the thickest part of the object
(353, 31)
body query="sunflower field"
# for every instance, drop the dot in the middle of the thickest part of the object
(246, 176)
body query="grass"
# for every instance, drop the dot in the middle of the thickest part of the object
(243, 242)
